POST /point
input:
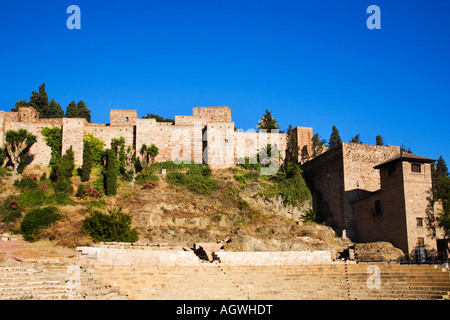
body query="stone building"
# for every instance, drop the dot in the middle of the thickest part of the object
(375, 193)
(208, 136)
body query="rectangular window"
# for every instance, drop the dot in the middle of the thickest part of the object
(419, 222)
(378, 207)
(415, 167)
(391, 170)
(420, 242)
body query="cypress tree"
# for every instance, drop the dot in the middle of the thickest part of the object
(111, 173)
(379, 141)
(291, 147)
(55, 110)
(39, 101)
(335, 138)
(72, 110)
(87, 163)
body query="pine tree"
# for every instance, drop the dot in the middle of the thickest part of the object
(335, 138)
(379, 141)
(55, 110)
(87, 163)
(292, 148)
(111, 173)
(268, 122)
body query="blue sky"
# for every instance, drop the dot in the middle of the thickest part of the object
(312, 63)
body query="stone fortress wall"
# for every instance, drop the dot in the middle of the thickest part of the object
(208, 136)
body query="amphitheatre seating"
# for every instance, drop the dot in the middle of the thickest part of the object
(264, 276)
(51, 281)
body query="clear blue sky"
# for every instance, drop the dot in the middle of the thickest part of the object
(312, 63)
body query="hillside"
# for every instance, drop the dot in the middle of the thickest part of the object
(240, 208)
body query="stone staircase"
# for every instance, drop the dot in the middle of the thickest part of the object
(45, 280)
(212, 281)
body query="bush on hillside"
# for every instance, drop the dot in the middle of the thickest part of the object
(113, 226)
(37, 220)
(198, 179)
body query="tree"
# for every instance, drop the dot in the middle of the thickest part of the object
(268, 122)
(317, 145)
(39, 101)
(441, 192)
(111, 173)
(72, 111)
(83, 111)
(118, 145)
(78, 111)
(356, 139)
(97, 147)
(292, 148)
(87, 163)
(144, 154)
(441, 169)
(157, 118)
(335, 138)
(379, 141)
(18, 143)
(19, 104)
(153, 152)
(62, 171)
(55, 110)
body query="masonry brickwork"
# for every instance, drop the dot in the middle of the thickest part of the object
(208, 136)
(355, 191)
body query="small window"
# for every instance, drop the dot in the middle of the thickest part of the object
(378, 207)
(420, 242)
(127, 119)
(415, 167)
(419, 222)
(391, 170)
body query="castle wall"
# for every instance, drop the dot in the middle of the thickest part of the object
(213, 114)
(304, 142)
(345, 174)
(360, 176)
(389, 224)
(418, 195)
(40, 151)
(72, 135)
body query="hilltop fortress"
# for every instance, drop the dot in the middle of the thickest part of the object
(367, 192)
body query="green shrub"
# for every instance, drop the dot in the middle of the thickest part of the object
(289, 184)
(197, 179)
(60, 199)
(37, 220)
(245, 163)
(27, 182)
(11, 209)
(114, 226)
(111, 173)
(146, 175)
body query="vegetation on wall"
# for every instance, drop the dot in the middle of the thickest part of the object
(53, 138)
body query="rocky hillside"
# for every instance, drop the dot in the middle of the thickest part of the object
(244, 211)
